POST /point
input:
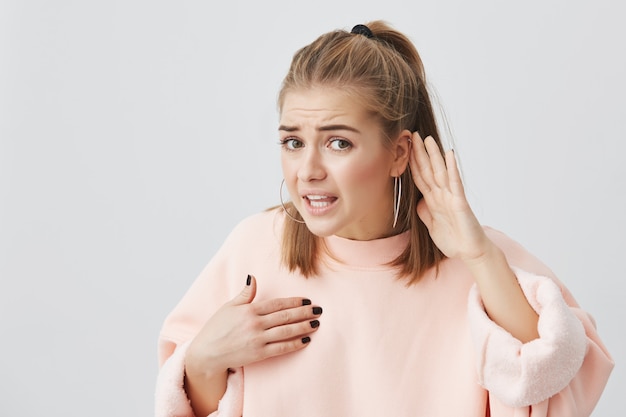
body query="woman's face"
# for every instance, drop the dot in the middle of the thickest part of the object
(337, 170)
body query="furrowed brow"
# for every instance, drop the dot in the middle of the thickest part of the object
(325, 128)
(337, 127)
(288, 128)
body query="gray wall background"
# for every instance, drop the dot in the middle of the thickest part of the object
(135, 134)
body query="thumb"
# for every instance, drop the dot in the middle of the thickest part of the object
(247, 294)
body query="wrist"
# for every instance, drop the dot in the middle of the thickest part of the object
(204, 386)
(202, 367)
(487, 256)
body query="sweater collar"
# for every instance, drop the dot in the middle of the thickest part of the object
(366, 253)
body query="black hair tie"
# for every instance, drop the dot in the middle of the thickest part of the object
(362, 30)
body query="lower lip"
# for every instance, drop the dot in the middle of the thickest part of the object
(319, 207)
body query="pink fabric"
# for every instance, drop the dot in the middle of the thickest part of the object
(172, 401)
(524, 374)
(387, 349)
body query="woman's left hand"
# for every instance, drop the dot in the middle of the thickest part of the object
(455, 230)
(444, 209)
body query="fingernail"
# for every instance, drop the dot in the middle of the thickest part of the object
(248, 280)
(314, 323)
(306, 339)
(306, 302)
(317, 310)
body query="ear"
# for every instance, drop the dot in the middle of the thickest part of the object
(400, 150)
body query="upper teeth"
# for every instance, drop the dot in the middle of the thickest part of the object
(316, 197)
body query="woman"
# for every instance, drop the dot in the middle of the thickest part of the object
(375, 291)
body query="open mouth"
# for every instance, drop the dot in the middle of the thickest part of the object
(320, 201)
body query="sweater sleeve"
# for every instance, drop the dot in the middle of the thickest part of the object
(170, 396)
(562, 373)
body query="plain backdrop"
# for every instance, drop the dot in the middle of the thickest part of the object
(135, 134)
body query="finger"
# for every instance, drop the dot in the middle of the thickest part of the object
(263, 308)
(291, 331)
(417, 178)
(420, 165)
(424, 213)
(288, 346)
(456, 183)
(247, 294)
(438, 165)
(291, 315)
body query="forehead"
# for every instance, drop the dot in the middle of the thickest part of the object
(323, 104)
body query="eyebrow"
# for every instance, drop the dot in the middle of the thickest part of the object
(325, 128)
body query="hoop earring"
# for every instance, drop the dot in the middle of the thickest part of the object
(283, 204)
(397, 195)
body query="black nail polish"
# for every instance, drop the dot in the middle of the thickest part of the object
(248, 280)
(306, 339)
(306, 302)
(317, 310)
(314, 323)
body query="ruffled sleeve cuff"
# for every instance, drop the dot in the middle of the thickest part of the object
(171, 399)
(521, 374)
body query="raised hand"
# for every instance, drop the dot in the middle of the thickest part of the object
(444, 209)
(456, 231)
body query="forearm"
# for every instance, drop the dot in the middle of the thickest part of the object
(502, 296)
(204, 391)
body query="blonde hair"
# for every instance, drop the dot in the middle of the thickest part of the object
(386, 73)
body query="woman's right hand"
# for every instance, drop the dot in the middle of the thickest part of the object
(242, 332)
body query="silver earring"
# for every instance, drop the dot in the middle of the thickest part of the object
(397, 195)
(283, 204)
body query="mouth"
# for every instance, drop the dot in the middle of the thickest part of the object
(318, 203)
(320, 200)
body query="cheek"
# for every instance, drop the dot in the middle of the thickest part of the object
(288, 168)
(368, 177)
(290, 175)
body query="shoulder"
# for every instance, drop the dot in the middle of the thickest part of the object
(259, 228)
(250, 243)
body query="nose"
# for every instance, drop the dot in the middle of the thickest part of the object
(312, 166)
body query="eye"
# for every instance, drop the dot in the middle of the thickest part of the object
(338, 144)
(291, 144)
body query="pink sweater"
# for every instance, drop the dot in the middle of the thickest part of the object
(385, 349)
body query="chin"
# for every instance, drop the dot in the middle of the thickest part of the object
(320, 230)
